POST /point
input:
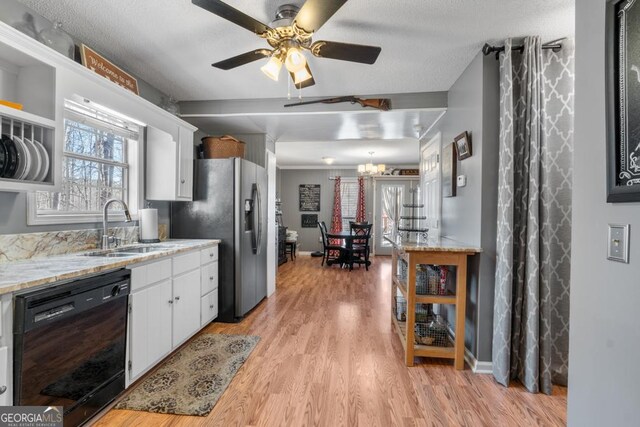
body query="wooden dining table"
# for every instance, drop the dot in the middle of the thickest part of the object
(348, 244)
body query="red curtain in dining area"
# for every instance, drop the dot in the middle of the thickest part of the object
(336, 219)
(361, 208)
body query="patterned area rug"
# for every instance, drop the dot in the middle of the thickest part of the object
(191, 381)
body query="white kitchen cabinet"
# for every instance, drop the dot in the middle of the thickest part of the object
(149, 326)
(5, 389)
(169, 165)
(209, 277)
(186, 306)
(208, 308)
(185, 164)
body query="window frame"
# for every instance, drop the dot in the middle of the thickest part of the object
(345, 220)
(133, 175)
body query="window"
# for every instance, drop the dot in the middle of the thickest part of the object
(349, 200)
(99, 162)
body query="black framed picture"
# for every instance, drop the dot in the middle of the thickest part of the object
(309, 221)
(449, 166)
(309, 197)
(623, 100)
(463, 145)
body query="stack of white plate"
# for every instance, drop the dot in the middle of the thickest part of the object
(33, 160)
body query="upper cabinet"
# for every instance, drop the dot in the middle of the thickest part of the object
(41, 80)
(169, 165)
(27, 150)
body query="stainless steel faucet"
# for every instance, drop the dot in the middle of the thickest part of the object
(106, 239)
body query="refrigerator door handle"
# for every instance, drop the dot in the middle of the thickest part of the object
(259, 210)
(254, 217)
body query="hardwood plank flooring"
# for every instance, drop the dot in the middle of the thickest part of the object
(329, 356)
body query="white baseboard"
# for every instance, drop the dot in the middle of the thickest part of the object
(303, 253)
(476, 366)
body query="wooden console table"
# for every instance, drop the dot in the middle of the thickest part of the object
(443, 252)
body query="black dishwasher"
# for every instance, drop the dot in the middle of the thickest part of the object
(69, 345)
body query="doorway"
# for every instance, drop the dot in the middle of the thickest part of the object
(390, 193)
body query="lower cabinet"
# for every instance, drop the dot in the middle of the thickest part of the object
(186, 306)
(5, 395)
(167, 306)
(149, 326)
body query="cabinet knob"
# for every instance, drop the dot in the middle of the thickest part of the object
(211, 306)
(3, 389)
(170, 301)
(211, 255)
(210, 277)
(177, 298)
(182, 181)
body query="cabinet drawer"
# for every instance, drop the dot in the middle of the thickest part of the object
(209, 254)
(159, 270)
(148, 274)
(209, 308)
(209, 278)
(186, 262)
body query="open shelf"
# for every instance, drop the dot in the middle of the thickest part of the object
(447, 352)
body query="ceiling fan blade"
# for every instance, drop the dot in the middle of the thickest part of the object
(306, 83)
(314, 13)
(346, 51)
(227, 12)
(245, 58)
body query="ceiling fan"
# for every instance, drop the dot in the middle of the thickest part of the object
(289, 35)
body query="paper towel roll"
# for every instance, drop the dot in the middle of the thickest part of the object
(148, 225)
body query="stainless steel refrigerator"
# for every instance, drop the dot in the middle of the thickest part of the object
(230, 203)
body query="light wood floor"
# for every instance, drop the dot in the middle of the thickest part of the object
(328, 356)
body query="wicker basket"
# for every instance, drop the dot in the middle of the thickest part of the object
(222, 147)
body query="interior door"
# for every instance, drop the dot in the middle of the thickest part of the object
(430, 180)
(390, 195)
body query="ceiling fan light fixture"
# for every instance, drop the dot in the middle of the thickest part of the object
(272, 67)
(295, 60)
(302, 75)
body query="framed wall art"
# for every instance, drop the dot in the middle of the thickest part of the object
(623, 100)
(309, 198)
(463, 145)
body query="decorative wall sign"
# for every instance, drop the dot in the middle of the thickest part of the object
(463, 145)
(449, 171)
(309, 220)
(623, 101)
(309, 198)
(409, 172)
(95, 62)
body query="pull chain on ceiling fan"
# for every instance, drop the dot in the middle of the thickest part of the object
(289, 35)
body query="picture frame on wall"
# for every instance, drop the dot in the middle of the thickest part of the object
(449, 171)
(463, 145)
(623, 100)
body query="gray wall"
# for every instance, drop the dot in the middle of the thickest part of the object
(471, 216)
(604, 344)
(291, 179)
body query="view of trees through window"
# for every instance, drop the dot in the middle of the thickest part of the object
(94, 170)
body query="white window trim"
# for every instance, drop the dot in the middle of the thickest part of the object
(135, 194)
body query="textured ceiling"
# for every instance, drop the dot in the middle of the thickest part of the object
(426, 44)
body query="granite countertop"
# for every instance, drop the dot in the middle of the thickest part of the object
(441, 244)
(20, 275)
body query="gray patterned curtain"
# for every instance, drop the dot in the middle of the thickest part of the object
(531, 313)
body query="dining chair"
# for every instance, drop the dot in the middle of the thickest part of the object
(360, 248)
(327, 247)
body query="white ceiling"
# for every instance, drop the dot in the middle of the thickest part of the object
(426, 44)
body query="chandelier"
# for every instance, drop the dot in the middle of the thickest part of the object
(370, 168)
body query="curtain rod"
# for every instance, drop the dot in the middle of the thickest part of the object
(554, 45)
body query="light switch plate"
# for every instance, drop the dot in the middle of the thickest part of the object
(618, 243)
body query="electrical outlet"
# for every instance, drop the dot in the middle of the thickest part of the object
(462, 180)
(618, 244)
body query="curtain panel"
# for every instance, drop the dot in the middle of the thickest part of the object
(531, 308)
